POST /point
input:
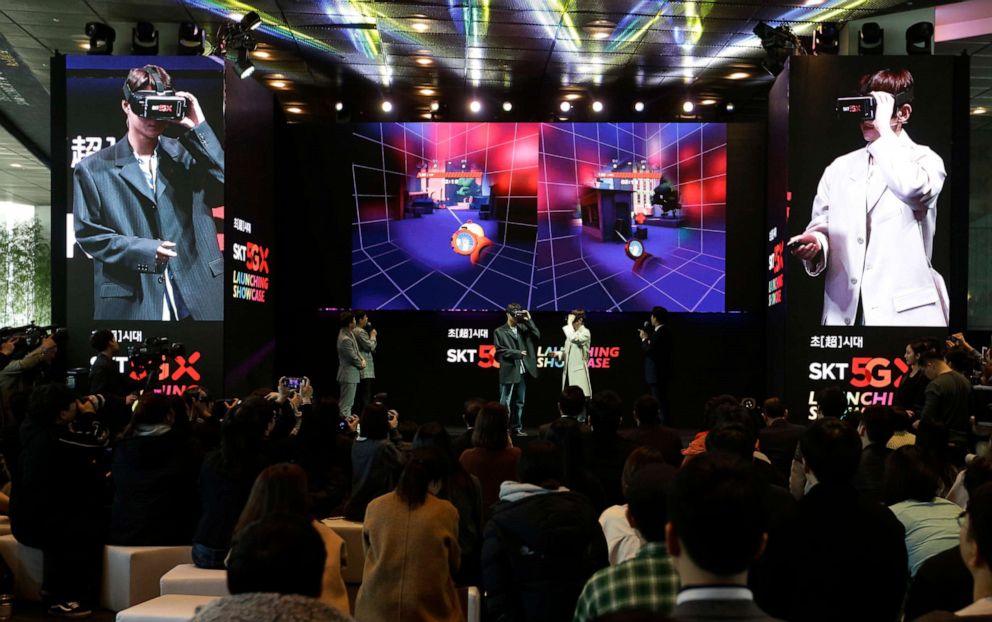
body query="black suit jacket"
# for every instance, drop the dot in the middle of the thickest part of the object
(509, 350)
(106, 377)
(119, 222)
(699, 610)
(657, 352)
(778, 441)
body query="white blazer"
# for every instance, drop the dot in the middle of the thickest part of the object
(875, 219)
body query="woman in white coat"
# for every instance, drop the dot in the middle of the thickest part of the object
(575, 354)
(873, 222)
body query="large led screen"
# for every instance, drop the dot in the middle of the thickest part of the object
(555, 216)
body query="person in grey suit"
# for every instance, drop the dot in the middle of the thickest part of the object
(366, 336)
(350, 364)
(516, 352)
(717, 526)
(142, 212)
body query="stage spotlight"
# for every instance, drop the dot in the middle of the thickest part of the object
(871, 40)
(779, 44)
(102, 38)
(565, 106)
(475, 106)
(507, 106)
(339, 106)
(638, 106)
(144, 39)
(826, 39)
(190, 39)
(729, 107)
(251, 21)
(919, 39)
(688, 107)
(597, 106)
(243, 65)
(387, 106)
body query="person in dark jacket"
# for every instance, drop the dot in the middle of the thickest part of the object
(911, 392)
(542, 543)
(57, 501)
(656, 342)
(226, 478)
(779, 438)
(609, 450)
(650, 432)
(376, 459)
(875, 430)
(154, 473)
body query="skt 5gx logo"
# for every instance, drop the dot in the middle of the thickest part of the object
(254, 256)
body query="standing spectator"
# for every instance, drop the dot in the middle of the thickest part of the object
(911, 393)
(649, 581)
(350, 364)
(464, 492)
(366, 336)
(910, 491)
(717, 527)
(650, 432)
(656, 343)
(623, 542)
(493, 459)
(56, 501)
(376, 459)
(226, 479)
(154, 474)
(875, 431)
(105, 374)
(274, 574)
(779, 438)
(947, 398)
(281, 489)
(542, 543)
(411, 550)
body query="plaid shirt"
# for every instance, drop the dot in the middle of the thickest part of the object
(646, 582)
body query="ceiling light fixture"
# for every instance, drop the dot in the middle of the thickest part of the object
(16, 165)
(435, 106)
(871, 39)
(425, 61)
(102, 38)
(278, 84)
(339, 106)
(507, 106)
(251, 21)
(243, 65)
(688, 107)
(387, 106)
(707, 102)
(565, 106)
(263, 55)
(979, 110)
(190, 39)
(426, 92)
(420, 26)
(475, 106)
(573, 96)
(739, 75)
(729, 107)
(597, 106)
(294, 110)
(144, 39)
(639, 106)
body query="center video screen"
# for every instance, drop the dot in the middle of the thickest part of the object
(554, 216)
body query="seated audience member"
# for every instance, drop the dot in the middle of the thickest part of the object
(567, 434)
(376, 459)
(943, 582)
(470, 411)
(831, 403)
(848, 555)
(910, 491)
(875, 431)
(712, 412)
(226, 480)
(649, 431)
(281, 489)
(325, 454)
(779, 438)
(933, 442)
(464, 492)
(608, 450)
(717, 527)
(542, 543)
(56, 500)
(571, 405)
(902, 430)
(738, 439)
(493, 458)
(411, 549)
(622, 541)
(648, 581)
(947, 398)
(976, 550)
(274, 574)
(154, 474)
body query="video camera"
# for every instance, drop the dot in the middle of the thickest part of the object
(31, 337)
(153, 351)
(162, 105)
(862, 108)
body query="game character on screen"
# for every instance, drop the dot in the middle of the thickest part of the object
(874, 218)
(142, 209)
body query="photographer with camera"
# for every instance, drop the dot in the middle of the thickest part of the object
(142, 209)
(23, 369)
(874, 218)
(656, 343)
(516, 351)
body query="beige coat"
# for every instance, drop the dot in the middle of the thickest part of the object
(410, 556)
(332, 591)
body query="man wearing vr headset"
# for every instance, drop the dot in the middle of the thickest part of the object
(142, 209)
(874, 218)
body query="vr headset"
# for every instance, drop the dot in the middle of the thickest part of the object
(863, 108)
(162, 105)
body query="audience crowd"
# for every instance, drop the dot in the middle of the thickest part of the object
(882, 513)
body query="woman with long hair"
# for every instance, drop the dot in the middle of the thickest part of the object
(913, 384)
(411, 549)
(492, 458)
(282, 489)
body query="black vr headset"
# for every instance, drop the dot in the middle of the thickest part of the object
(162, 105)
(862, 108)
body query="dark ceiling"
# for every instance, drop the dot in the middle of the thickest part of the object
(534, 53)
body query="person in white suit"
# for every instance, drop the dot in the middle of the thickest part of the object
(873, 222)
(575, 354)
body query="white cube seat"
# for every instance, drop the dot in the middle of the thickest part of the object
(131, 574)
(188, 579)
(351, 533)
(169, 608)
(27, 564)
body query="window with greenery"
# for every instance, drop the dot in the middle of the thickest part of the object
(25, 269)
